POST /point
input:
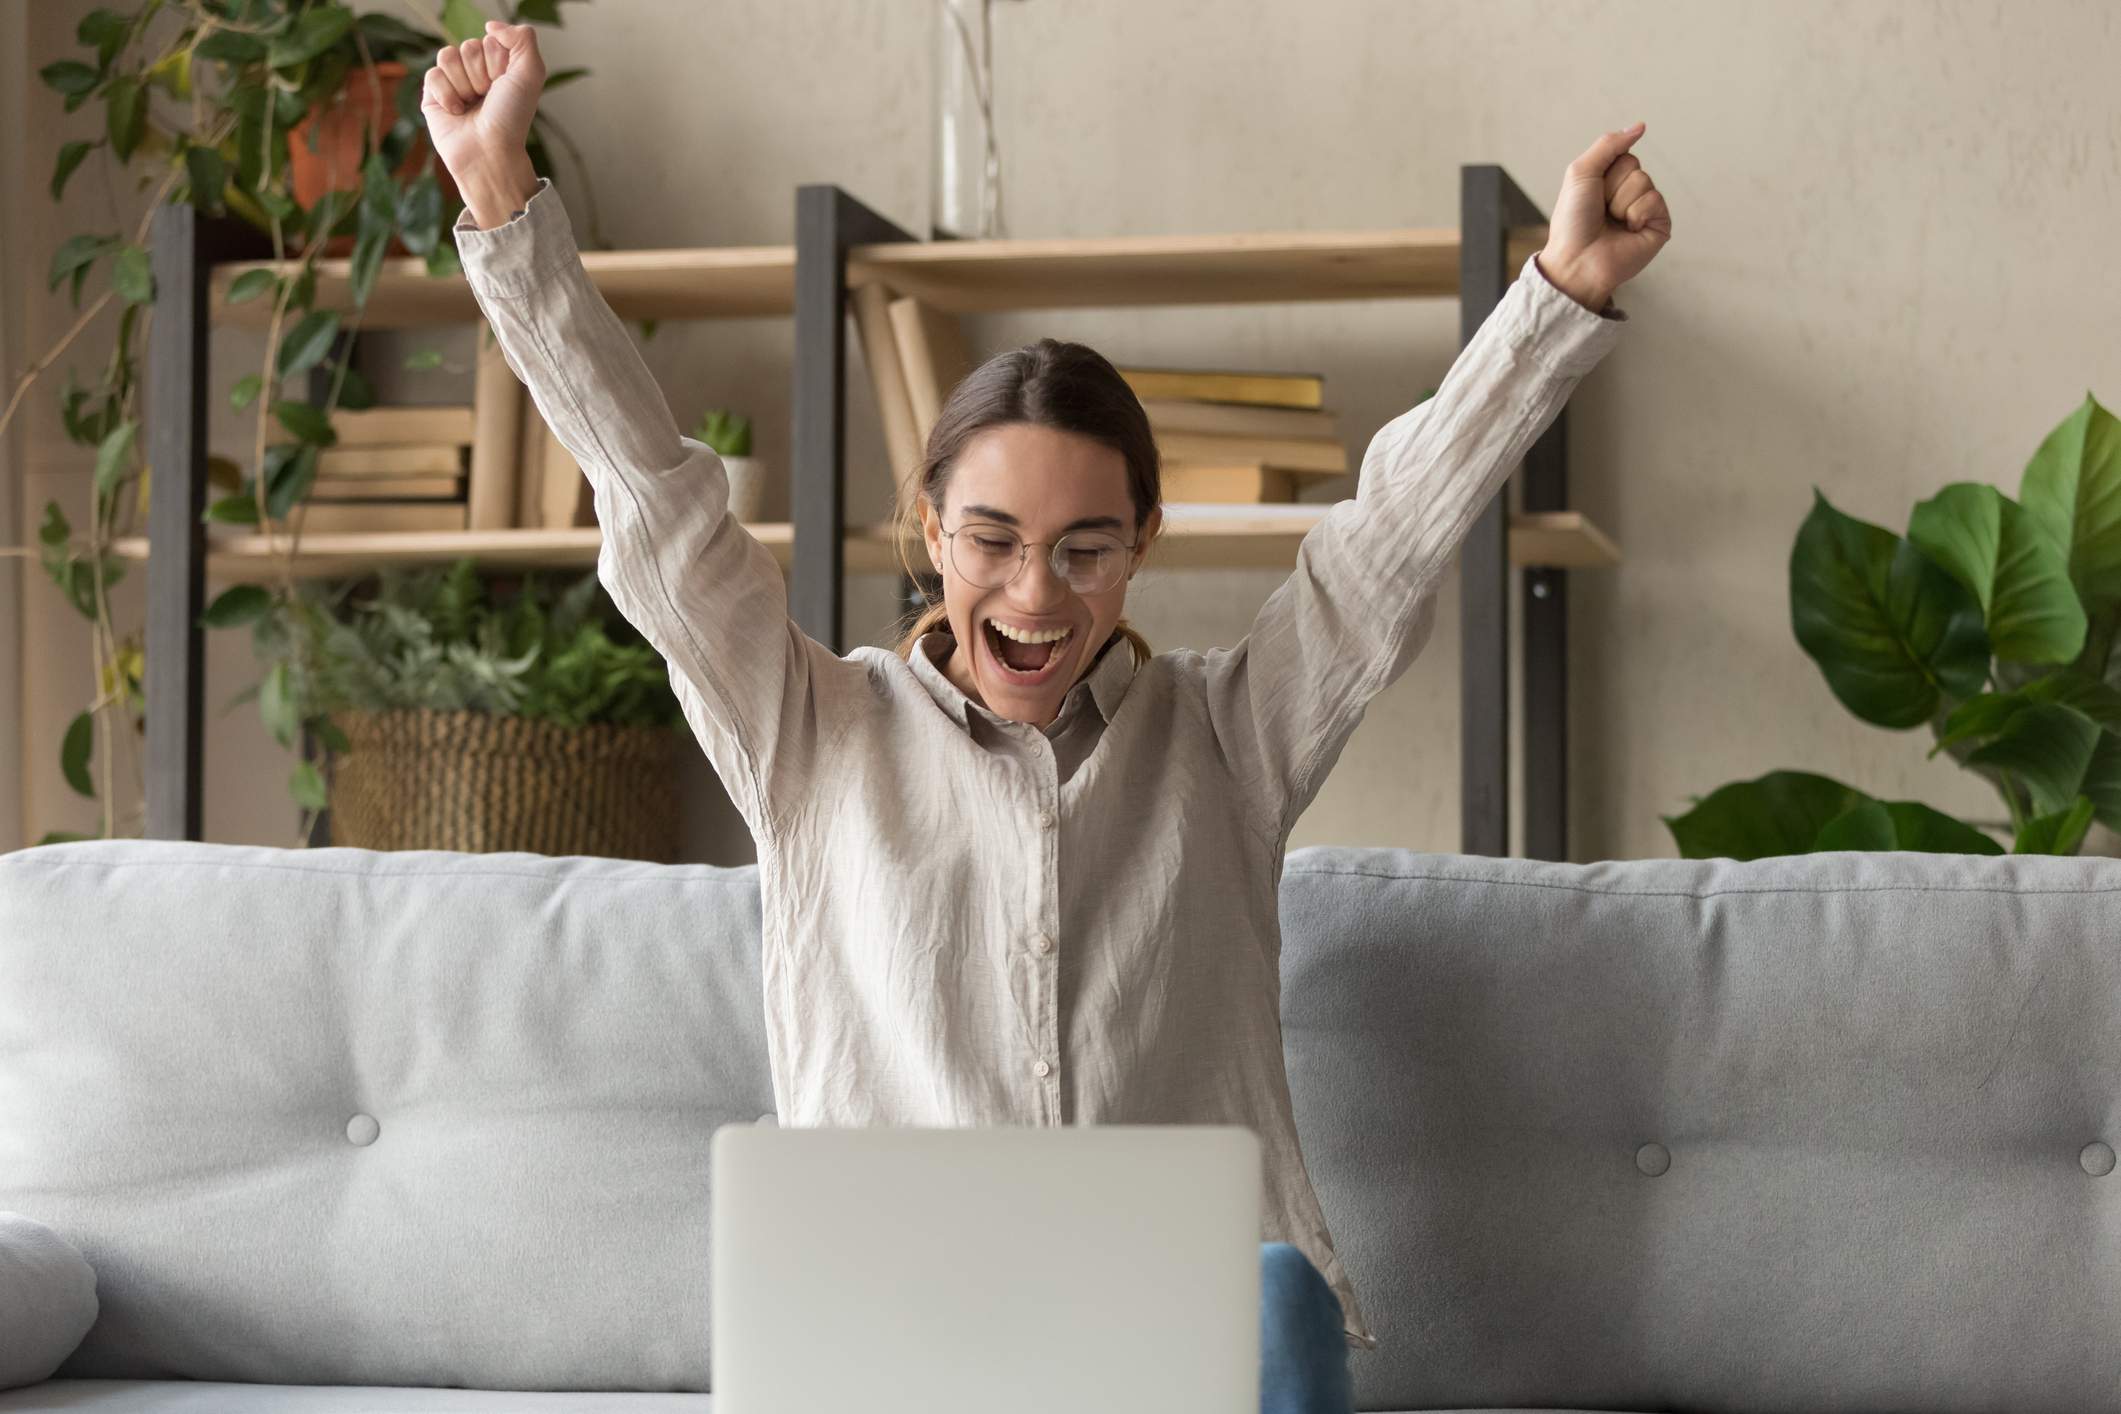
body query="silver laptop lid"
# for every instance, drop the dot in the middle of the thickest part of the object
(949, 1271)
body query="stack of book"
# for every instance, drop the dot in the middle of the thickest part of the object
(390, 469)
(1229, 437)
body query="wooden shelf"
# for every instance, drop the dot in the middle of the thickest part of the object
(965, 277)
(753, 282)
(1195, 537)
(731, 282)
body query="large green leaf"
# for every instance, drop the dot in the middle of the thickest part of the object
(70, 155)
(2102, 780)
(1877, 825)
(2048, 747)
(290, 470)
(2059, 833)
(1781, 812)
(236, 606)
(1987, 713)
(2072, 490)
(1890, 630)
(2017, 573)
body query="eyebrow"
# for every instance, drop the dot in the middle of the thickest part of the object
(1086, 523)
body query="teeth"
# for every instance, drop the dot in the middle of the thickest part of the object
(1051, 635)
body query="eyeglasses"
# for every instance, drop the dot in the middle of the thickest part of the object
(989, 556)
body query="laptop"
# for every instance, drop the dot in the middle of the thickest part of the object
(1035, 1270)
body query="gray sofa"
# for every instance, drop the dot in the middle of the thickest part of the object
(344, 1131)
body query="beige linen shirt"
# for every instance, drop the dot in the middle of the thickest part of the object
(973, 921)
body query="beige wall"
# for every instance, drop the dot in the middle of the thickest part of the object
(1893, 268)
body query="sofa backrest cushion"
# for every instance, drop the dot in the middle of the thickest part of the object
(340, 1117)
(1824, 1132)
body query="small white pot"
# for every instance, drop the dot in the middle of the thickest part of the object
(747, 488)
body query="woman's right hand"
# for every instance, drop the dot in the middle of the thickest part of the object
(478, 100)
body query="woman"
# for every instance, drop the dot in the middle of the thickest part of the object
(1021, 870)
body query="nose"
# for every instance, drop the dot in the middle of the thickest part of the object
(1036, 587)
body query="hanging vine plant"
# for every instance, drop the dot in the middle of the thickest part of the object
(300, 118)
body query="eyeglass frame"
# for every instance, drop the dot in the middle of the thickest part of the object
(1023, 551)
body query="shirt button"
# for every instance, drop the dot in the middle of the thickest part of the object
(1042, 943)
(1042, 1069)
(1045, 819)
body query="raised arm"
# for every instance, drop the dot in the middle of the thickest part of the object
(763, 697)
(1362, 599)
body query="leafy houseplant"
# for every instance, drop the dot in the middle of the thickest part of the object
(209, 102)
(1994, 622)
(466, 719)
(730, 436)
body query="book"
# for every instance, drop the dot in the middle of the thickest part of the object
(1233, 420)
(529, 485)
(390, 461)
(1296, 454)
(904, 441)
(1281, 390)
(401, 426)
(1250, 482)
(390, 488)
(497, 403)
(931, 348)
(345, 517)
(565, 498)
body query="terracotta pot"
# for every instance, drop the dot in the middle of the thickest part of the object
(342, 128)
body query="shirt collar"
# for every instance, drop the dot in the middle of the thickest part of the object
(1105, 684)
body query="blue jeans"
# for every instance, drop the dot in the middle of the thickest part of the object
(1303, 1357)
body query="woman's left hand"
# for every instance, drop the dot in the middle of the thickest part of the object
(1608, 223)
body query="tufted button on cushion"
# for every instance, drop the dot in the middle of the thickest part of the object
(362, 1129)
(1653, 1159)
(2097, 1158)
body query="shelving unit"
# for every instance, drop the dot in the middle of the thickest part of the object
(842, 245)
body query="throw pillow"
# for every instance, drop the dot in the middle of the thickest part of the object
(47, 1300)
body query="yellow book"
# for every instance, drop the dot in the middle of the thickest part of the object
(390, 461)
(376, 517)
(1298, 454)
(1230, 420)
(387, 488)
(1281, 390)
(1249, 482)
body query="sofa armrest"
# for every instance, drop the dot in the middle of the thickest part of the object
(47, 1300)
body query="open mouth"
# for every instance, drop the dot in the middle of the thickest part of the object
(1023, 664)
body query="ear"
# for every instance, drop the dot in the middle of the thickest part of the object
(1147, 537)
(931, 532)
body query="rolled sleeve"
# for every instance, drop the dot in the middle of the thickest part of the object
(758, 692)
(1361, 601)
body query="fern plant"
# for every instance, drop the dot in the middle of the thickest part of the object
(436, 637)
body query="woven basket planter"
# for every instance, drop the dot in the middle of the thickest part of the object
(473, 781)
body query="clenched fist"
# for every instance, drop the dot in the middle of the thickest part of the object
(1608, 223)
(479, 99)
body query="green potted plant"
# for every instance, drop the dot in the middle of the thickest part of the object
(1994, 622)
(219, 104)
(729, 434)
(468, 719)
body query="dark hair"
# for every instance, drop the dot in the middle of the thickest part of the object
(1051, 383)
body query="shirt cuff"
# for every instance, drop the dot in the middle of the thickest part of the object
(514, 257)
(1565, 336)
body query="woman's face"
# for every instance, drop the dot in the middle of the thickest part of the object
(1042, 483)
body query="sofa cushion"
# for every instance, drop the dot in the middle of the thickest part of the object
(341, 1117)
(207, 1397)
(47, 1300)
(1823, 1132)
